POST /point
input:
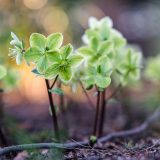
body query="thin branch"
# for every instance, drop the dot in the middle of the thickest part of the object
(114, 92)
(53, 82)
(137, 130)
(89, 100)
(54, 116)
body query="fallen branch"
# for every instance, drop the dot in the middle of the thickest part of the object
(81, 144)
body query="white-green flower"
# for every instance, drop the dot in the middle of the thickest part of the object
(64, 63)
(99, 74)
(129, 67)
(43, 49)
(17, 51)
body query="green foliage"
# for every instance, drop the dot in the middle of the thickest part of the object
(3, 72)
(152, 71)
(57, 91)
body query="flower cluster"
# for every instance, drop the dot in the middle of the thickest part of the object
(105, 54)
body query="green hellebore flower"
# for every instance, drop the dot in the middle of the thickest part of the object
(3, 72)
(103, 31)
(18, 51)
(43, 49)
(96, 49)
(99, 74)
(130, 67)
(64, 64)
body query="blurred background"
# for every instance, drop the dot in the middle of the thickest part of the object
(138, 20)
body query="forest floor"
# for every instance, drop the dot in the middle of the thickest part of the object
(34, 119)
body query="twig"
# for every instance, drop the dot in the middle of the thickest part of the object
(53, 82)
(80, 144)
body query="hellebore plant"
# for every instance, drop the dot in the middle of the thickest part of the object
(51, 61)
(103, 60)
(105, 55)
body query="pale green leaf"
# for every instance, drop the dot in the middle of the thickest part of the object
(85, 51)
(54, 41)
(42, 64)
(66, 50)
(32, 54)
(53, 56)
(94, 43)
(38, 40)
(65, 74)
(57, 91)
(105, 47)
(102, 82)
(75, 60)
(52, 71)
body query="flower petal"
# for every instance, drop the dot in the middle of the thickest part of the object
(19, 58)
(37, 40)
(32, 54)
(85, 51)
(75, 60)
(102, 82)
(66, 50)
(65, 74)
(52, 71)
(42, 64)
(54, 41)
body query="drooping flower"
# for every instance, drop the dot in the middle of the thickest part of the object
(17, 51)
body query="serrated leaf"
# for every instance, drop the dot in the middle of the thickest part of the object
(57, 91)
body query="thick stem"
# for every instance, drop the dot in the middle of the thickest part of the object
(54, 116)
(102, 114)
(97, 113)
(87, 96)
